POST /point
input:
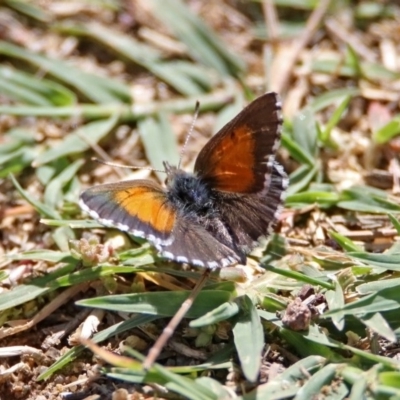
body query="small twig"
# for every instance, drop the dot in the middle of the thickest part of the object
(164, 280)
(282, 80)
(272, 25)
(58, 332)
(162, 41)
(13, 351)
(101, 153)
(4, 374)
(188, 351)
(177, 318)
(271, 19)
(337, 30)
(44, 312)
(122, 166)
(394, 168)
(18, 210)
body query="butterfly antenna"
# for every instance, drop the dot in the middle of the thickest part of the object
(189, 134)
(155, 351)
(111, 164)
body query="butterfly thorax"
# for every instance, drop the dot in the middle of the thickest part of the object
(189, 192)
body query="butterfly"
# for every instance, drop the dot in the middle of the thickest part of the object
(216, 215)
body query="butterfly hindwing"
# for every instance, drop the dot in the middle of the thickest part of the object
(194, 245)
(251, 217)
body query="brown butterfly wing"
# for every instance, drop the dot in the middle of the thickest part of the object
(194, 245)
(238, 163)
(239, 157)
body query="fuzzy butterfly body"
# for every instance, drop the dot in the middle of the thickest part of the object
(214, 216)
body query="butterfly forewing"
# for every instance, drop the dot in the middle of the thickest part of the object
(142, 209)
(139, 207)
(239, 157)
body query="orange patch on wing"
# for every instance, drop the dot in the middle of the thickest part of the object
(235, 161)
(148, 206)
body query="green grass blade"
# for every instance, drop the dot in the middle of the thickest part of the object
(202, 43)
(395, 222)
(159, 142)
(52, 256)
(334, 120)
(301, 178)
(173, 74)
(41, 208)
(335, 300)
(248, 334)
(367, 199)
(286, 384)
(221, 313)
(305, 133)
(95, 88)
(74, 143)
(372, 71)
(24, 293)
(388, 131)
(374, 286)
(16, 161)
(321, 378)
(53, 194)
(332, 97)
(378, 324)
(323, 199)
(297, 151)
(146, 56)
(387, 261)
(33, 90)
(28, 9)
(185, 386)
(383, 300)
(299, 276)
(208, 102)
(344, 242)
(159, 303)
